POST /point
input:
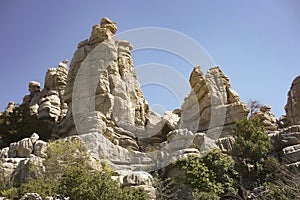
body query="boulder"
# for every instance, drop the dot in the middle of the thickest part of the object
(40, 148)
(291, 154)
(34, 137)
(31, 196)
(285, 137)
(4, 152)
(226, 144)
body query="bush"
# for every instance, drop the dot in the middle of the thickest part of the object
(205, 196)
(252, 146)
(68, 175)
(251, 142)
(78, 183)
(214, 173)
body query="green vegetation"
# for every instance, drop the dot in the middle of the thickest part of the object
(252, 146)
(20, 124)
(69, 175)
(214, 173)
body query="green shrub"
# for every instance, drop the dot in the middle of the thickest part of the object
(252, 143)
(68, 175)
(214, 173)
(205, 196)
(252, 146)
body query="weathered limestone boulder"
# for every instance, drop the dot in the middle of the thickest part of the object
(285, 137)
(21, 149)
(212, 106)
(291, 154)
(4, 152)
(34, 137)
(172, 120)
(40, 148)
(32, 100)
(20, 170)
(266, 117)
(31, 196)
(226, 144)
(292, 107)
(137, 179)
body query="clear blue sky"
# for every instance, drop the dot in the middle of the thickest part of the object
(256, 43)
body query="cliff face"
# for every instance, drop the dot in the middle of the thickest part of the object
(292, 107)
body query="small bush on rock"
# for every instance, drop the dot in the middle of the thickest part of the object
(213, 173)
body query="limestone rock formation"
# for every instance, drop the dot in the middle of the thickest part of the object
(48, 103)
(119, 109)
(266, 117)
(212, 106)
(292, 107)
(32, 100)
(31, 196)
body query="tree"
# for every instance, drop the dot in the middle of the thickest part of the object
(254, 106)
(252, 146)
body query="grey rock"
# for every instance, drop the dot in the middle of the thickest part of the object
(212, 104)
(266, 117)
(4, 152)
(292, 107)
(226, 144)
(31, 196)
(285, 137)
(291, 154)
(34, 137)
(40, 148)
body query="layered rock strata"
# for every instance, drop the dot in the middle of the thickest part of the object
(212, 106)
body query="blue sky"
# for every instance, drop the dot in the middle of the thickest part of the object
(256, 43)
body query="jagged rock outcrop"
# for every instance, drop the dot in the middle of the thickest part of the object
(25, 148)
(212, 106)
(266, 117)
(292, 107)
(48, 103)
(109, 112)
(119, 102)
(32, 100)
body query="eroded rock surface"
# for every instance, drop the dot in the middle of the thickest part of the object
(48, 103)
(266, 117)
(292, 107)
(212, 106)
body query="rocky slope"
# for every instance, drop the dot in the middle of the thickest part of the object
(99, 98)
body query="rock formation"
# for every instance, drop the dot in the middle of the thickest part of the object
(292, 107)
(32, 100)
(212, 106)
(100, 99)
(266, 117)
(48, 103)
